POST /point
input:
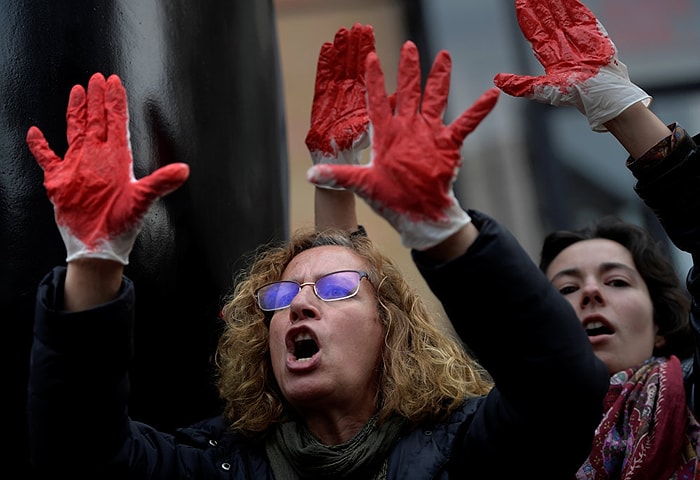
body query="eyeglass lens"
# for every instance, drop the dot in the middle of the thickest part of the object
(331, 287)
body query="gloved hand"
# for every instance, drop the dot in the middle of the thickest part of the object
(98, 204)
(339, 122)
(415, 157)
(579, 59)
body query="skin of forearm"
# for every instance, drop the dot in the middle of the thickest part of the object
(638, 129)
(335, 208)
(91, 282)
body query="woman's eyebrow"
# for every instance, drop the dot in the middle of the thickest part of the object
(607, 266)
(567, 272)
(603, 267)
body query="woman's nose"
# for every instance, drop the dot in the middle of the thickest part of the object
(592, 294)
(303, 304)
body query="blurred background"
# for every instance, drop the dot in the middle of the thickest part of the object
(533, 167)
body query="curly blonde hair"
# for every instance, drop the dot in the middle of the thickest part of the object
(425, 371)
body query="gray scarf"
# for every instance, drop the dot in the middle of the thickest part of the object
(295, 453)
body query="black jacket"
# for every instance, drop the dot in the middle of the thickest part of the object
(540, 417)
(671, 188)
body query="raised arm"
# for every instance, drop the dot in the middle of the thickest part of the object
(83, 342)
(339, 129)
(415, 157)
(638, 129)
(582, 70)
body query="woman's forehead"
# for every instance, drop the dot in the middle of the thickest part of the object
(321, 260)
(594, 251)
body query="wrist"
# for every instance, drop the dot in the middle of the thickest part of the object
(91, 282)
(608, 94)
(455, 245)
(638, 129)
(427, 234)
(337, 157)
(335, 208)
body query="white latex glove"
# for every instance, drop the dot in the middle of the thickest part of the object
(98, 204)
(339, 130)
(415, 157)
(579, 59)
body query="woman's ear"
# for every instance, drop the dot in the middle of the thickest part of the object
(660, 341)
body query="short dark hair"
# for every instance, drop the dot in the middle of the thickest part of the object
(670, 299)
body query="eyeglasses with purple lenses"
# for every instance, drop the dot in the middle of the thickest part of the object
(329, 288)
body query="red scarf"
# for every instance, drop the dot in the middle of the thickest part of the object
(648, 432)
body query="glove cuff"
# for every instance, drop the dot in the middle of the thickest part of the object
(423, 235)
(351, 156)
(608, 96)
(343, 157)
(116, 249)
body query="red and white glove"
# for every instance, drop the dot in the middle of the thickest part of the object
(339, 121)
(415, 157)
(579, 59)
(98, 204)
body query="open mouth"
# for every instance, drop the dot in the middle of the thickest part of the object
(305, 347)
(593, 329)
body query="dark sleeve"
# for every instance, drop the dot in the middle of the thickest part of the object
(668, 181)
(548, 398)
(669, 184)
(78, 384)
(692, 377)
(78, 397)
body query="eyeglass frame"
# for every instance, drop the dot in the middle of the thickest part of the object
(362, 274)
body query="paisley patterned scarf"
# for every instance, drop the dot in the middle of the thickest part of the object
(648, 431)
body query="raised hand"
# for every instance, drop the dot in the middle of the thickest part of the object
(580, 62)
(339, 121)
(98, 204)
(415, 157)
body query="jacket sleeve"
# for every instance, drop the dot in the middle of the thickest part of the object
(78, 382)
(669, 184)
(79, 425)
(548, 381)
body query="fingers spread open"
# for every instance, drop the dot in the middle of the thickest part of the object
(471, 118)
(96, 123)
(76, 115)
(516, 85)
(437, 88)
(163, 181)
(324, 68)
(366, 45)
(39, 147)
(379, 108)
(409, 81)
(116, 110)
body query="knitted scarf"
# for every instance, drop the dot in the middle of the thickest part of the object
(648, 431)
(294, 453)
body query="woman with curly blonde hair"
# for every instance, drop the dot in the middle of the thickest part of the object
(424, 372)
(330, 362)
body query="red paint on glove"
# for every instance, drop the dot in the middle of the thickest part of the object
(415, 157)
(568, 41)
(93, 190)
(339, 120)
(580, 62)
